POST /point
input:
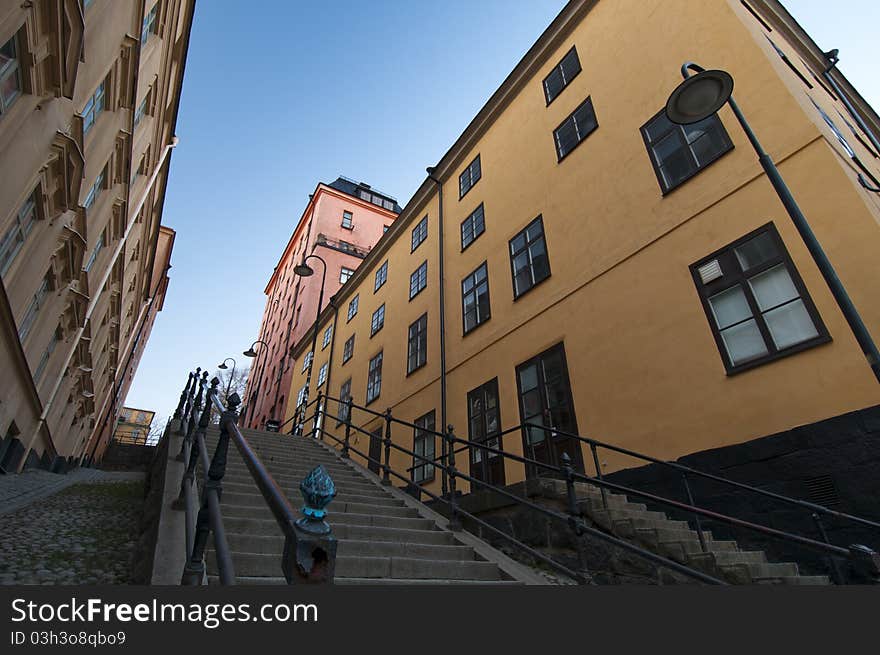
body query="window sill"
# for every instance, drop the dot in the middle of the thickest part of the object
(478, 325)
(417, 368)
(418, 292)
(536, 284)
(822, 339)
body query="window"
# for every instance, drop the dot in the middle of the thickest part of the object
(559, 78)
(418, 280)
(528, 258)
(327, 334)
(141, 110)
(44, 360)
(95, 105)
(424, 448)
(419, 233)
(374, 378)
(95, 191)
(469, 177)
(322, 374)
(17, 234)
(307, 360)
(30, 315)
(484, 423)
(574, 129)
(344, 395)
(377, 200)
(381, 276)
(417, 344)
(150, 24)
(353, 306)
(475, 298)
(345, 274)
(378, 320)
(10, 75)
(301, 396)
(346, 220)
(678, 152)
(348, 349)
(756, 303)
(472, 227)
(94, 254)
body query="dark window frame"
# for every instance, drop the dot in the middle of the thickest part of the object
(348, 349)
(380, 312)
(353, 307)
(344, 394)
(381, 276)
(417, 276)
(728, 143)
(422, 431)
(558, 67)
(581, 137)
(473, 291)
(735, 276)
(419, 339)
(471, 223)
(539, 218)
(347, 224)
(374, 378)
(469, 172)
(419, 234)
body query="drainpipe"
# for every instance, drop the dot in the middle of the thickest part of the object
(443, 417)
(96, 294)
(832, 62)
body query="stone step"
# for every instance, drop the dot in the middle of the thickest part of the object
(253, 496)
(750, 573)
(799, 580)
(242, 519)
(246, 580)
(258, 508)
(667, 535)
(627, 527)
(296, 474)
(269, 565)
(710, 561)
(294, 495)
(274, 544)
(292, 482)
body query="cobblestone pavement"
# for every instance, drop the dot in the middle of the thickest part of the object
(79, 530)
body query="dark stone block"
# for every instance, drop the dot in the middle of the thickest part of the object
(12, 456)
(32, 461)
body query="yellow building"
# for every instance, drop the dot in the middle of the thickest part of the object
(577, 260)
(89, 96)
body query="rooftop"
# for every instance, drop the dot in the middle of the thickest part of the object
(364, 191)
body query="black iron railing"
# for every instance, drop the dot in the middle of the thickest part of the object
(309, 552)
(314, 415)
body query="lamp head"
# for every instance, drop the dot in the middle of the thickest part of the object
(222, 366)
(249, 352)
(303, 269)
(699, 96)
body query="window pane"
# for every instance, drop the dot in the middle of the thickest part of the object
(658, 127)
(790, 324)
(773, 287)
(528, 378)
(756, 251)
(540, 265)
(743, 342)
(553, 84)
(730, 307)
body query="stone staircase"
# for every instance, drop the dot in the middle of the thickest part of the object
(385, 536)
(677, 541)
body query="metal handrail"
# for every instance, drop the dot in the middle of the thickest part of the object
(574, 521)
(565, 471)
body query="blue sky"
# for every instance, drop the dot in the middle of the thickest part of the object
(375, 91)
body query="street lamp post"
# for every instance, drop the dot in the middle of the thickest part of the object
(304, 270)
(701, 95)
(222, 365)
(251, 353)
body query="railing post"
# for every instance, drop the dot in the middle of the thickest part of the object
(386, 469)
(189, 417)
(836, 574)
(316, 425)
(194, 570)
(594, 450)
(690, 499)
(348, 403)
(454, 520)
(187, 404)
(574, 512)
(204, 422)
(180, 405)
(309, 554)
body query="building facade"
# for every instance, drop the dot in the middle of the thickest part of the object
(90, 96)
(340, 224)
(577, 261)
(133, 426)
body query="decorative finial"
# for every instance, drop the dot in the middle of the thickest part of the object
(317, 490)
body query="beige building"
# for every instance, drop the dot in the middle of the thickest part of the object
(578, 262)
(89, 95)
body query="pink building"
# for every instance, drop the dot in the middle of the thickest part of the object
(341, 223)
